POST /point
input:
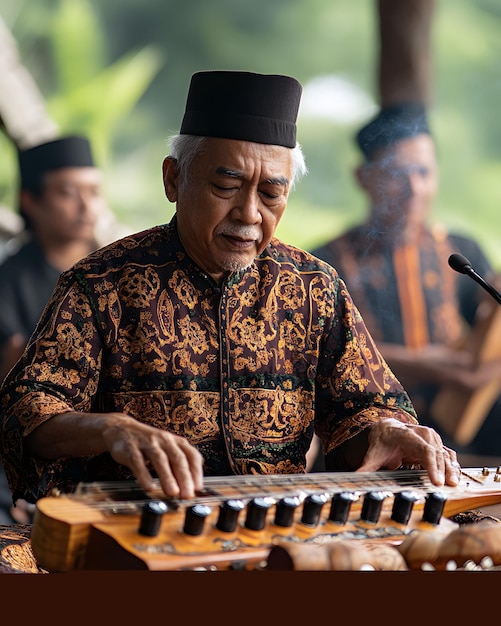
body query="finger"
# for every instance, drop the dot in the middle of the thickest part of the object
(167, 461)
(125, 450)
(432, 465)
(432, 452)
(452, 467)
(440, 460)
(184, 468)
(445, 469)
(141, 472)
(195, 463)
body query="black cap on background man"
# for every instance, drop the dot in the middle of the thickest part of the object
(72, 151)
(392, 124)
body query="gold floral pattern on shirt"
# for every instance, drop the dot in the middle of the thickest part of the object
(245, 371)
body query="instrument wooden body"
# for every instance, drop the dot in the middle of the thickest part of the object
(460, 413)
(98, 526)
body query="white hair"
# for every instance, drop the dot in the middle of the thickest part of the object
(184, 148)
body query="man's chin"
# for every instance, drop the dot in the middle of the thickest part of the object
(236, 264)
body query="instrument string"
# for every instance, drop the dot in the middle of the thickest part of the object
(327, 480)
(124, 496)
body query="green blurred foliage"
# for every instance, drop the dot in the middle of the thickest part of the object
(121, 71)
(92, 93)
(89, 93)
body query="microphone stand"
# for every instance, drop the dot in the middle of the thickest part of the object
(461, 264)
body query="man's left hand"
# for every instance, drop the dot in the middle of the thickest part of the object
(393, 444)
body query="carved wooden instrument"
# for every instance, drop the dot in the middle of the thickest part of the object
(236, 520)
(460, 413)
(469, 546)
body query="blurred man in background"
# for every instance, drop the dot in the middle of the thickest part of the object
(396, 266)
(60, 200)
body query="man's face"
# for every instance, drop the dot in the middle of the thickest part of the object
(402, 183)
(69, 205)
(230, 202)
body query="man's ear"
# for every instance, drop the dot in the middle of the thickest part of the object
(361, 174)
(170, 172)
(28, 203)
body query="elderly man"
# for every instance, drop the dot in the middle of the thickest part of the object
(206, 346)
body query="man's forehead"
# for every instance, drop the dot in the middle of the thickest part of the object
(408, 151)
(241, 158)
(72, 174)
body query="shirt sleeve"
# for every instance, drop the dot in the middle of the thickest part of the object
(355, 385)
(58, 373)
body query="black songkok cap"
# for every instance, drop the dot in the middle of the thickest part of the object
(392, 124)
(71, 151)
(261, 108)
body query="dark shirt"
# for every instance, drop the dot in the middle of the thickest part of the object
(26, 284)
(394, 286)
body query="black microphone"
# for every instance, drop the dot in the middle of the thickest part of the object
(460, 264)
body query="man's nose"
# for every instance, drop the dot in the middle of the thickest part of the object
(416, 182)
(89, 203)
(248, 208)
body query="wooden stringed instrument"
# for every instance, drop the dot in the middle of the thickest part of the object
(459, 412)
(236, 520)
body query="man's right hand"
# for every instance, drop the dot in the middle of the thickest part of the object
(140, 447)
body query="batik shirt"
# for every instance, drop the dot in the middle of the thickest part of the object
(246, 370)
